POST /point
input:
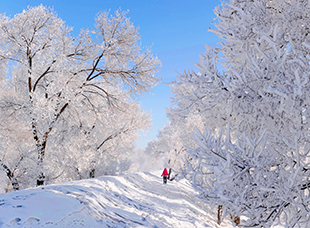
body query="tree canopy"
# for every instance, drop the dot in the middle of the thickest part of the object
(252, 93)
(66, 102)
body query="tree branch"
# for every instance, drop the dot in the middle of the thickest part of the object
(94, 67)
(45, 73)
(112, 137)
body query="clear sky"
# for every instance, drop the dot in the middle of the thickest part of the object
(176, 30)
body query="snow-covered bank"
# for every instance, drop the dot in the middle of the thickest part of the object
(134, 200)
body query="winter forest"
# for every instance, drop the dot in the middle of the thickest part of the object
(239, 126)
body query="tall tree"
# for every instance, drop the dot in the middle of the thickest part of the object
(55, 82)
(262, 95)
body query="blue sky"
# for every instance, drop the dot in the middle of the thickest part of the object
(176, 30)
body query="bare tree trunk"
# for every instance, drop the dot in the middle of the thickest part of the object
(219, 214)
(92, 173)
(41, 153)
(10, 175)
(41, 179)
(40, 146)
(235, 219)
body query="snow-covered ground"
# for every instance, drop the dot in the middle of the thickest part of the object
(133, 200)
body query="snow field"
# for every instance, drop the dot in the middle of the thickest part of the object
(133, 200)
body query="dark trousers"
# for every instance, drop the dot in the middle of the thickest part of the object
(165, 178)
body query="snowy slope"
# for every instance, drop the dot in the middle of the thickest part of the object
(133, 200)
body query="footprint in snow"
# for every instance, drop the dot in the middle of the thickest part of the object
(15, 221)
(2, 202)
(32, 219)
(22, 197)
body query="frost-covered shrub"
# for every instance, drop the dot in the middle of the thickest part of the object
(256, 81)
(252, 178)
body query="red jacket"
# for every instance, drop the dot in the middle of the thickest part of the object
(165, 173)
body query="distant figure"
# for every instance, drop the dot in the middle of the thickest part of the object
(165, 175)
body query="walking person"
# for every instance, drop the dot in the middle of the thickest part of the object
(165, 175)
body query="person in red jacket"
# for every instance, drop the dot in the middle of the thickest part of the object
(165, 175)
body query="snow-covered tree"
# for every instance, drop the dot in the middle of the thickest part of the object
(266, 66)
(165, 149)
(171, 142)
(261, 92)
(56, 88)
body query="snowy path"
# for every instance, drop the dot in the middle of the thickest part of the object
(134, 200)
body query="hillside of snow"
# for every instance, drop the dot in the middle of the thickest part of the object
(133, 200)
